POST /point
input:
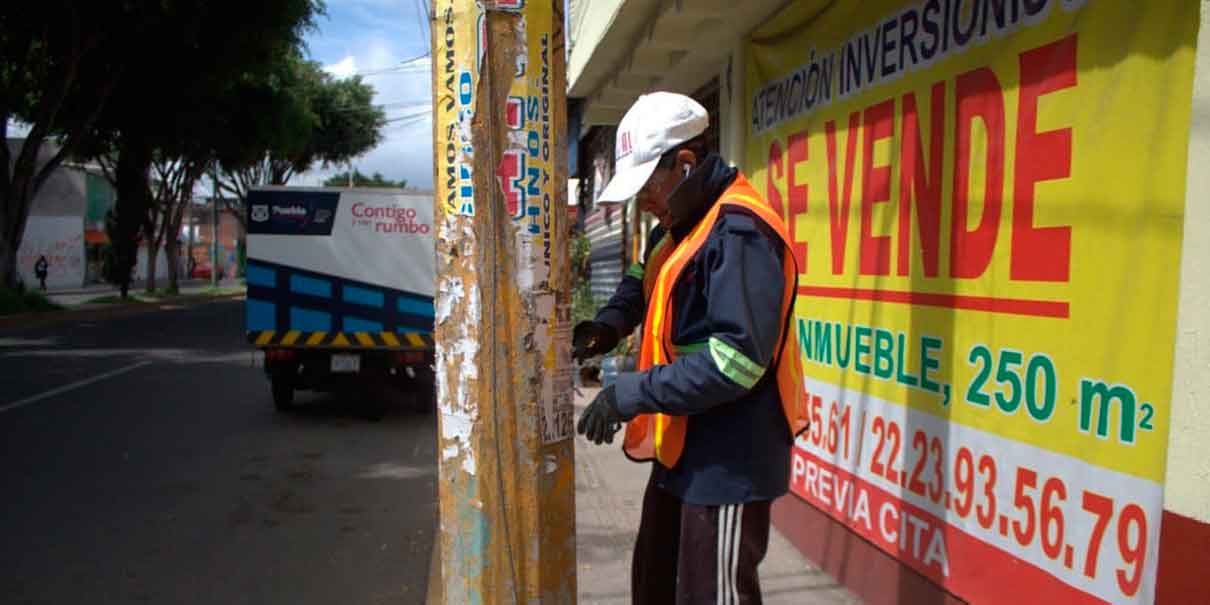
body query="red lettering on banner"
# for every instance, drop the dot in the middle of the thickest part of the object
(838, 208)
(1036, 253)
(798, 196)
(772, 195)
(978, 96)
(875, 189)
(1041, 253)
(923, 180)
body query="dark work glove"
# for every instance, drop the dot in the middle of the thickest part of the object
(602, 419)
(591, 338)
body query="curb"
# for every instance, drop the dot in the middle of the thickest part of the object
(114, 311)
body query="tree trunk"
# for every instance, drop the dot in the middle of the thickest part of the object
(8, 264)
(172, 244)
(16, 196)
(172, 252)
(153, 254)
(134, 160)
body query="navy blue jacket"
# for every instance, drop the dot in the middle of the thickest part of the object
(727, 321)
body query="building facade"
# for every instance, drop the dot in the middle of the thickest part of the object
(199, 230)
(994, 207)
(66, 223)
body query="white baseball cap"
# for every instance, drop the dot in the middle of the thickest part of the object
(656, 123)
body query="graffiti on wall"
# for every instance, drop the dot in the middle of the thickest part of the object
(61, 241)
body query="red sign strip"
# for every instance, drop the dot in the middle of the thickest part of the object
(1008, 306)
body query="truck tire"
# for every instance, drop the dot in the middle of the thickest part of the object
(424, 393)
(283, 393)
(373, 406)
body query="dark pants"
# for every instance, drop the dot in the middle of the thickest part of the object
(689, 554)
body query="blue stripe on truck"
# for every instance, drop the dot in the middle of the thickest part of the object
(355, 324)
(412, 306)
(311, 286)
(306, 320)
(261, 276)
(362, 296)
(261, 314)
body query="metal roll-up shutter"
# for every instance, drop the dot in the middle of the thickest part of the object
(606, 259)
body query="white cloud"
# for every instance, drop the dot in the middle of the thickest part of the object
(406, 151)
(345, 68)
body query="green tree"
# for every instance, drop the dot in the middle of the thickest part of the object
(54, 56)
(341, 179)
(292, 121)
(173, 105)
(134, 76)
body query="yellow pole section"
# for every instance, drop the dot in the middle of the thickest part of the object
(506, 458)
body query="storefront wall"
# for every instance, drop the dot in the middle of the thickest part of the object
(1185, 534)
(1066, 460)
(988, 200)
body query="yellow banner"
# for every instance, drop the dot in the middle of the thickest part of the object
(987, 200)
(458, 39)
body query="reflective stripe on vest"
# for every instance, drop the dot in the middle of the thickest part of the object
(661, 437)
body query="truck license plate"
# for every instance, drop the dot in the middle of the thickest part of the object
(346, 364)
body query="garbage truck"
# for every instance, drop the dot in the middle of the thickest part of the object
(340, 292)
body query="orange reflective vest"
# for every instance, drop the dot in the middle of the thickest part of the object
(663, 249)
(661, 437)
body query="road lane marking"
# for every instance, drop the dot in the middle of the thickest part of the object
(71, 387)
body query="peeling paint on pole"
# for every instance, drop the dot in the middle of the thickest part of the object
(503, 303)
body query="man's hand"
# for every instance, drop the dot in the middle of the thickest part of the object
(591, 338)
(601, 419)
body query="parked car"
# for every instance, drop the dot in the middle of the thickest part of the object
(203, 270)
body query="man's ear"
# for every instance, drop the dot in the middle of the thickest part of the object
(685, 158)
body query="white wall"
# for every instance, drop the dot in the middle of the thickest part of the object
(1187, 487)
(590, 19)
(731, 78)
(65, 193)
(61, 240)
(161, 267)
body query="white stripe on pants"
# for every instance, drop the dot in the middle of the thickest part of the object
(730, 524)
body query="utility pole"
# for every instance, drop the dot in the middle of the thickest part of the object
(190, 228)
(214, 236)
(506, 457)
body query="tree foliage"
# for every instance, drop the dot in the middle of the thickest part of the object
(53, 54)
(341, 179)
(297, 118)
(135, 78)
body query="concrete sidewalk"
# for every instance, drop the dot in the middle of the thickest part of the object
(609, 495)
(77, 296)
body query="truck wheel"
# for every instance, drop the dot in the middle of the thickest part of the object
(424, 393)
(283, 394)
(373, 407)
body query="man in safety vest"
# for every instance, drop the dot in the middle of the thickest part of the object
(716, 401)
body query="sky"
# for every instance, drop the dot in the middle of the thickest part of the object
(362, 36)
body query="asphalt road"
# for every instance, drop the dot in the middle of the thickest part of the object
(141, 461)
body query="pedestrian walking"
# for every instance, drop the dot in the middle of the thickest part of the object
(716, 401)
(41, 270)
